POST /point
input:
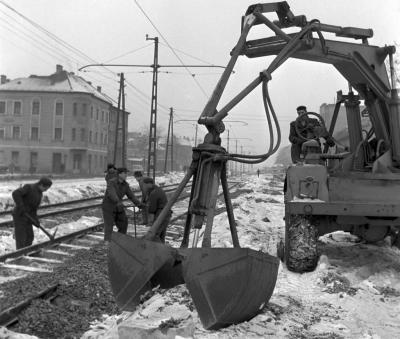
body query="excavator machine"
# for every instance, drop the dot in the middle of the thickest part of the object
(356, 190)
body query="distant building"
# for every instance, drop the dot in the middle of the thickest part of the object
(55, 124)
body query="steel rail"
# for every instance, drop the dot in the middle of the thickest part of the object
(71, 202)
(35, 249)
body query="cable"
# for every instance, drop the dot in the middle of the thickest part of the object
(169, 46)
(127, 53)
(189, 55)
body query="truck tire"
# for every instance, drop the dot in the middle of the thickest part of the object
(301, 253)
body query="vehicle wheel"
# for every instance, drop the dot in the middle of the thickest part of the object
(301, 254)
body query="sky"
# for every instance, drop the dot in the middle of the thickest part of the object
(76, 33)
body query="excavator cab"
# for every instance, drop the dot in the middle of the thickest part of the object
(230, 285)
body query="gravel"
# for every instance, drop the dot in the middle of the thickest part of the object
(84, 295)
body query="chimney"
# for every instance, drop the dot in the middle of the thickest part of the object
(59, 68)
(3, 79)
(98, 88)
(89, 82)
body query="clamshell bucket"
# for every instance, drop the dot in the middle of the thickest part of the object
(136, 265)
(229, 285)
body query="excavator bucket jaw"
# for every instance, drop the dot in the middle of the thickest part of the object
(132, 265)
(227, 285)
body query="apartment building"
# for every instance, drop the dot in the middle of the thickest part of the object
(55, 124)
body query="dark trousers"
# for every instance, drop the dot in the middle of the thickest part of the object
(111, 217)
(23, 231)
(163, 228)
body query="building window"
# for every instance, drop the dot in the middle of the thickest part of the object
(73, 134)
(3, 107)
(91, 111)
(58, 133)
(2, 133)
(84, 109)
(15, 157)
(16, 132)
(75, 109)
(34, 162)
(97, 113)
(102, 116)
(59, 108)
(95, 138)
(35, 133)
(83, 134)
(90, 136)
(101, 139)
(17, 109)
(105, 139)
(35, 107)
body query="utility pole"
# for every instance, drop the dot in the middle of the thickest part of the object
(236, 153)
(120, 126)
(152, 151)
(241, 164)
(195, 135)
(170, 128)
(152, 155)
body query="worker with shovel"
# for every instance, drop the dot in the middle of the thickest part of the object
(156, 200)
(27, 200)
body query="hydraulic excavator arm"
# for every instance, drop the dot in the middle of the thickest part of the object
(213, 275)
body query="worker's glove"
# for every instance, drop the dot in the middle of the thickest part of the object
(120, 207)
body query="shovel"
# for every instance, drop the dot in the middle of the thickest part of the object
(37, 224)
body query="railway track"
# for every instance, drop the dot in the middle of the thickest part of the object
(71, 206)
(46, 256)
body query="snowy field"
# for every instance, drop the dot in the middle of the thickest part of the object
(353, 293)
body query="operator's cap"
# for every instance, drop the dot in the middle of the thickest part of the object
(109, 166)
(122, 170)
(302, 107)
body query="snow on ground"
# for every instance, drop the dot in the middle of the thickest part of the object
(353, 293)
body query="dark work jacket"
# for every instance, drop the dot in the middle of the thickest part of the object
(27, 199)
(115, 192)
(156, 200)
(144, 193)
(111, 175)
(311, 124)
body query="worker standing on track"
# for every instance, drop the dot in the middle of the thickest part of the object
(27, 200)
(156, 200)
(139, 178)
(113, 207)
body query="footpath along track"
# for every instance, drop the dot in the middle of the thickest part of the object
(46, 258)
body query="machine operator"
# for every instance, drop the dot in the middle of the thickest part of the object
(307, 127)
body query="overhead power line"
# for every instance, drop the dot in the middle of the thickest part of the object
(169, 46)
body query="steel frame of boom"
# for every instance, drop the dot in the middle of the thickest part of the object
(362, 65)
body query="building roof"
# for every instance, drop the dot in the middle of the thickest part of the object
(61, 81)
